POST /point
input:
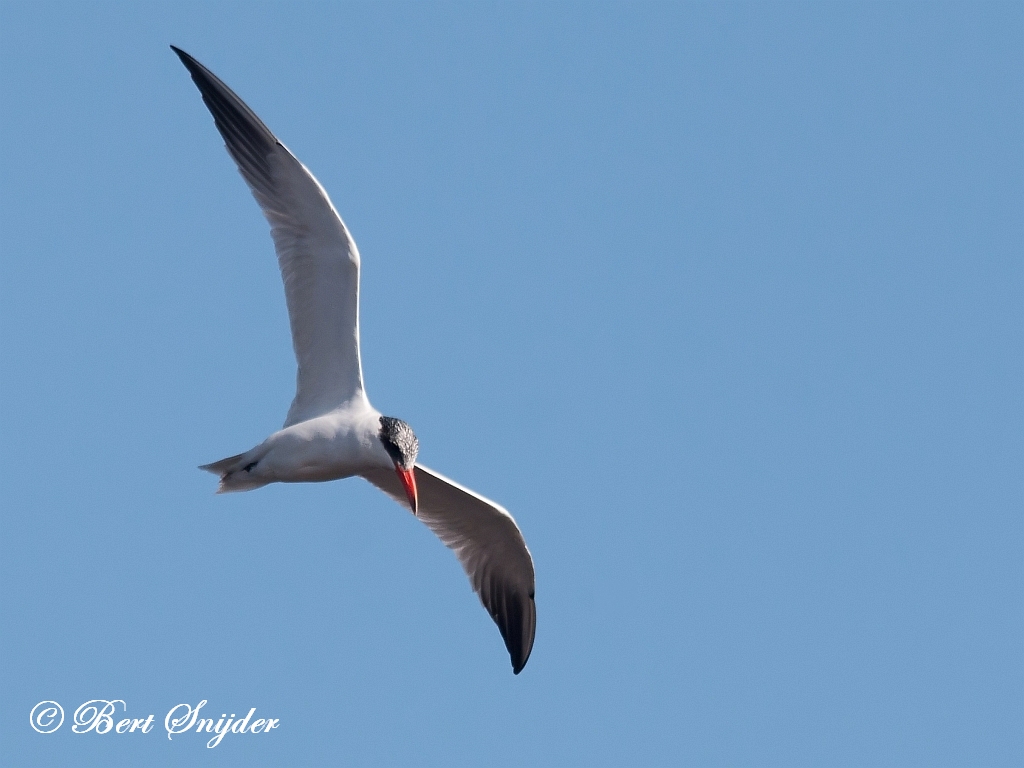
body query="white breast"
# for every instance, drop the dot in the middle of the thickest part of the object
(335, 445)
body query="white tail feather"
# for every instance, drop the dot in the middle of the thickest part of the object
(235, 472)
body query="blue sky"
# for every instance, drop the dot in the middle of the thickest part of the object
(722, 301)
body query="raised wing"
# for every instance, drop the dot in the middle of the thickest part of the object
(318, 258)
(489, 545)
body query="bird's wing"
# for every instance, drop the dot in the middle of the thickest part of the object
(489, 545)
(318, 258)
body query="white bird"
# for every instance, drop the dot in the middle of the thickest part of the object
(331, 430)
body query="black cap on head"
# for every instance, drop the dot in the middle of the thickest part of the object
(399, 441)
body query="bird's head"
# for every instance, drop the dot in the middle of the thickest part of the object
(402, 446)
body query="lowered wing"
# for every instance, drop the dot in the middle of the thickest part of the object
(489, 545)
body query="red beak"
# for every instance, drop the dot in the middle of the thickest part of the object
(409, 481)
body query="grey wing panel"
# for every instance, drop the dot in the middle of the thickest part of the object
(489, 546)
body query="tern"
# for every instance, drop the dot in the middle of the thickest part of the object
(331, 430)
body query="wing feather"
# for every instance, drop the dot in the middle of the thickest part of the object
(489, 546)
(318, 258)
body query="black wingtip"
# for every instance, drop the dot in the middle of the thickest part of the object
(519, 663)
(193, 66)
(518, 629)
(519, 658)
(247, 139)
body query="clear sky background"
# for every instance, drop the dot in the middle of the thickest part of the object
(723, 302)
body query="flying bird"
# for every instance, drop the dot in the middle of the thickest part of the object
(331, 430)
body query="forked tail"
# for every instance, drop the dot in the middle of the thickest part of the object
(236, 472)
